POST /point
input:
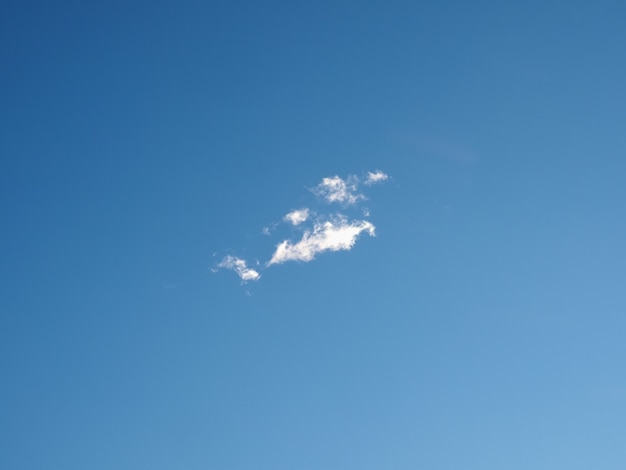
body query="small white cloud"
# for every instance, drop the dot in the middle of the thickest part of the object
(298, 216)
(376, 177)
(335, 189)
(240, 267)
(321, 231)
(327, 236)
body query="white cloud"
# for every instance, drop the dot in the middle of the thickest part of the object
(335, 189)
(327, 236)
(321, 231)
(376, 177)
(240, 267)
(298, 216)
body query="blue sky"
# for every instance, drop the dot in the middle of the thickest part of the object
(143, 143)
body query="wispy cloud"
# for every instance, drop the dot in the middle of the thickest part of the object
(442, 148)
(335, 189)
(297, 217)
(376, 177)
(320, 230)
(334, 235)
(240, 267)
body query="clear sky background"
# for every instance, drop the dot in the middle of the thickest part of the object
(483, 327)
